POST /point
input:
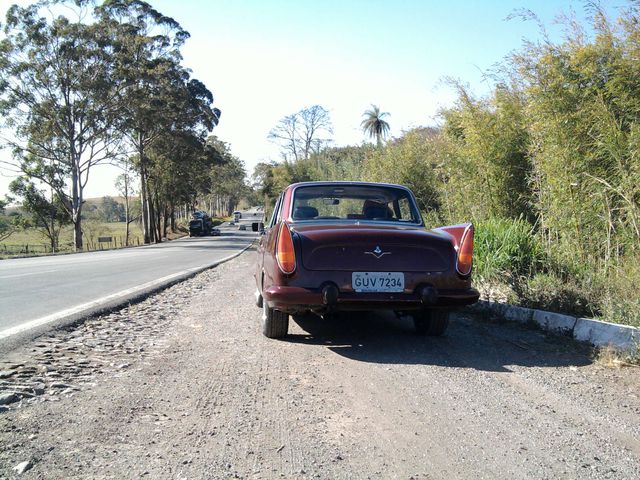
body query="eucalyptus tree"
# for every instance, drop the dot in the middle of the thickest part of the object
(159, 97)
(374, 124)
(178, 174)
(125, 185)
(60, 109)
(226, 175)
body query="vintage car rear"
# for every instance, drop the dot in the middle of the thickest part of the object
(355, 246)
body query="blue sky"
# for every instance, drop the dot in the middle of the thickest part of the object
(266, 59)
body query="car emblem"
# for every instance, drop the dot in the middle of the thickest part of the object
(377, 252)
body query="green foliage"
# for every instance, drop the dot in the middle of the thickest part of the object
(57, 98)
(111, 211)
(412, 160)
(506, 250)
(225, 176)
(9, 224)
(6, 229)
(584, 115)
(485, 162)
(47, 215)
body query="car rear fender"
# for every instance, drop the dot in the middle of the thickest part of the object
(460, 233)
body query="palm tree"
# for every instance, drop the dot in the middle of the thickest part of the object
(374, 124)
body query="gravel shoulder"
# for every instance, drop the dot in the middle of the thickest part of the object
(183, 385)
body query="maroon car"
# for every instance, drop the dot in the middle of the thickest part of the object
(355, 246)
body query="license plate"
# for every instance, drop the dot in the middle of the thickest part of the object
(377, 281)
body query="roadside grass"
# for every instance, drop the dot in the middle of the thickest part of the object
(613, 358)
(511, 264)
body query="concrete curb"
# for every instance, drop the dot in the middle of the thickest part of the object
(14, 337)
(596, 332)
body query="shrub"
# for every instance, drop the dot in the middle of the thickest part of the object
(505, 251)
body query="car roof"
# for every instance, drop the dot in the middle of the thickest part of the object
(346, 182)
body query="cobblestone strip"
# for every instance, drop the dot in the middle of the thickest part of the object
(66, 361)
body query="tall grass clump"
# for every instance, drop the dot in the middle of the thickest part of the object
(505, 250)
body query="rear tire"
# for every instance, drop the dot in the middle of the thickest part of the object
(431, 322)
(275, 324)
(259, 299)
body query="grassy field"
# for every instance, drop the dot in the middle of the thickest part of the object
(31, 241)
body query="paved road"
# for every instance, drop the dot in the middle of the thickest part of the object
(36, 291)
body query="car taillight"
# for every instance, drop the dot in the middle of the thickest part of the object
(465, 252)
(285, 253)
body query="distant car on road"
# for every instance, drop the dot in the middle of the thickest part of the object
(215, 232)
(237, 215)
(340, 246)
(242, 227)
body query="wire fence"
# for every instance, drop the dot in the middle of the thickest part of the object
(90, 245)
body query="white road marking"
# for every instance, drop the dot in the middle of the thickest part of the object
(25, 274)
(106, 255)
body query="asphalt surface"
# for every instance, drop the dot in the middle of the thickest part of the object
(184, 385)
(42, 290)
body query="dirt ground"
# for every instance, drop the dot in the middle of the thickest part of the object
(192, 390)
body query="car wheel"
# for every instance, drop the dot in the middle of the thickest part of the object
(275, 324)
(431, 322)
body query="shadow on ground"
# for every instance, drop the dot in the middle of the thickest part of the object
(470, 342)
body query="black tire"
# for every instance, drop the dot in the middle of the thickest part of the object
(275, 324)
(431, 322)
(259, 299)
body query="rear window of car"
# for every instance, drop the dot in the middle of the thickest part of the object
(375, 203)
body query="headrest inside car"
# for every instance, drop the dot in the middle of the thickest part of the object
(304, 213)
(372, 209)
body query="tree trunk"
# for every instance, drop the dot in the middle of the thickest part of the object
(157, 219)
(144, 191)
(165, 221)
(144, 197)
(52, 237)
(127, 221)
(76, 209)
(151, 216)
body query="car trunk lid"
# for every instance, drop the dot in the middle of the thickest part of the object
(382, 248)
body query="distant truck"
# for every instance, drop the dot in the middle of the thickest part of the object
(200, 225)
